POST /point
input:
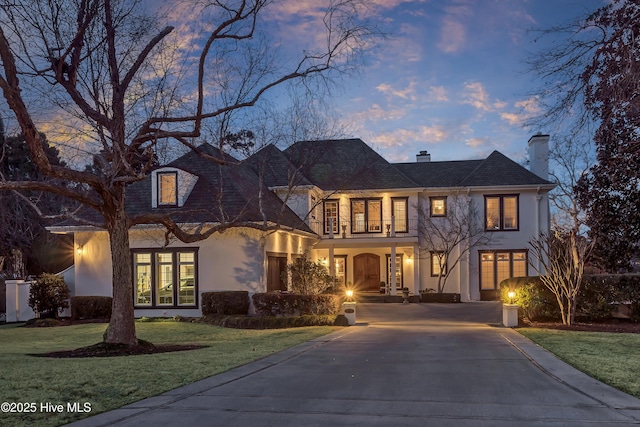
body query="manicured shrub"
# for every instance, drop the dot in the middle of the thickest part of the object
(279, 304)
(91, 307)
(537, 303)
(308, 277)
(48, 295)
(601, 293)
(247, 322)
(225, 302)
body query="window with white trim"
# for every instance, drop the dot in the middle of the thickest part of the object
(331, 216)
(167, 188)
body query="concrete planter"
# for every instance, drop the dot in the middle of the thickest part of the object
(349, 309)
(510, 315)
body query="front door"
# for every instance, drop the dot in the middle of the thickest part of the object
(276, 269)
(366, 272)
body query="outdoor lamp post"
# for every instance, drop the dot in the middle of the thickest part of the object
(510, 312)
(349, 308)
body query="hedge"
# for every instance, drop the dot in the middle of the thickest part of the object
(225, 302)
(280, 304)
(601, 293)
(91, 307)
(247, 322)
(598, 297)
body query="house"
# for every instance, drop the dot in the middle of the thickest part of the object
(338, 200)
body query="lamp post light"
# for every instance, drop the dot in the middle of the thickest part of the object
(510, 311)
(349, 308)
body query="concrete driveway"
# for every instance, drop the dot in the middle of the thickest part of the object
(403, 365)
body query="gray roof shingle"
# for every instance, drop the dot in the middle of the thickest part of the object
(346, 164)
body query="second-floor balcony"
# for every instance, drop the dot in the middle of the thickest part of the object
(366, 228)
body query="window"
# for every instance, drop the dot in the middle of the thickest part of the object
(331, 216)
(366, 216)
(400, 214)
(340, 270)
(501, 212)
(500, 265)
(438, 206)
(399, 276)
(167, 189)
(165, 278)
(438, 264)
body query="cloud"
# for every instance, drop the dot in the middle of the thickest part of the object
(408, 93)
(476, 142)
(438, 94)
(453, 31)
(475, 94)
(526, 109)
(376, 113)
(423, 134)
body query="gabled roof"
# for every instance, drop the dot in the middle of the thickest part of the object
(494, 171)
(228, 192)
(346, 164)
(276, 168)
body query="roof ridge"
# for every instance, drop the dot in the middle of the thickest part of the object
(482, 163)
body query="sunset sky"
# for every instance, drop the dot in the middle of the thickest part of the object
(452, 78)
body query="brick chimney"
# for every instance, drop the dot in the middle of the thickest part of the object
(423, 156)
(539, 155)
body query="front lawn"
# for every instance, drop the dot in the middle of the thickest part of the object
(109, 383)
(613, 358)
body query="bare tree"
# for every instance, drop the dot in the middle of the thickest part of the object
(563, 257)
(589, 88)
(108, 64)
(448, 237)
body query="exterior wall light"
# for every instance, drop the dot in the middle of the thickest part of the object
(80, 250)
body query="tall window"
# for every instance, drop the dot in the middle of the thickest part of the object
(438, 264)
(500, 265)
(366, 216)
(331, 216)
(438, 206)
(399, 275)
(340, 270)
(167, 189)
(501, 212)
(165, 278)
(400, 214)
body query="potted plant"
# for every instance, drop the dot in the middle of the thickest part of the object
(405, 295)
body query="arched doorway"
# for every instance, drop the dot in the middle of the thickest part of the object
(366, 272)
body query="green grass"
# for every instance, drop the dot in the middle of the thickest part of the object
(612, 358)
(109, 383)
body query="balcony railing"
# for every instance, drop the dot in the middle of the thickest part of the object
(366, 229)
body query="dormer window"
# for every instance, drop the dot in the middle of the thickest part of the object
(167, 189)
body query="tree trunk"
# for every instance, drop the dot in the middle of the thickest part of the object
(121, 329)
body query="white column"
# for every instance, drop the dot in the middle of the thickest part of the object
(416, 271)
(332, 263)
(392, 261)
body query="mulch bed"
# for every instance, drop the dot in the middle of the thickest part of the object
(114, 350)
(613, 326)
